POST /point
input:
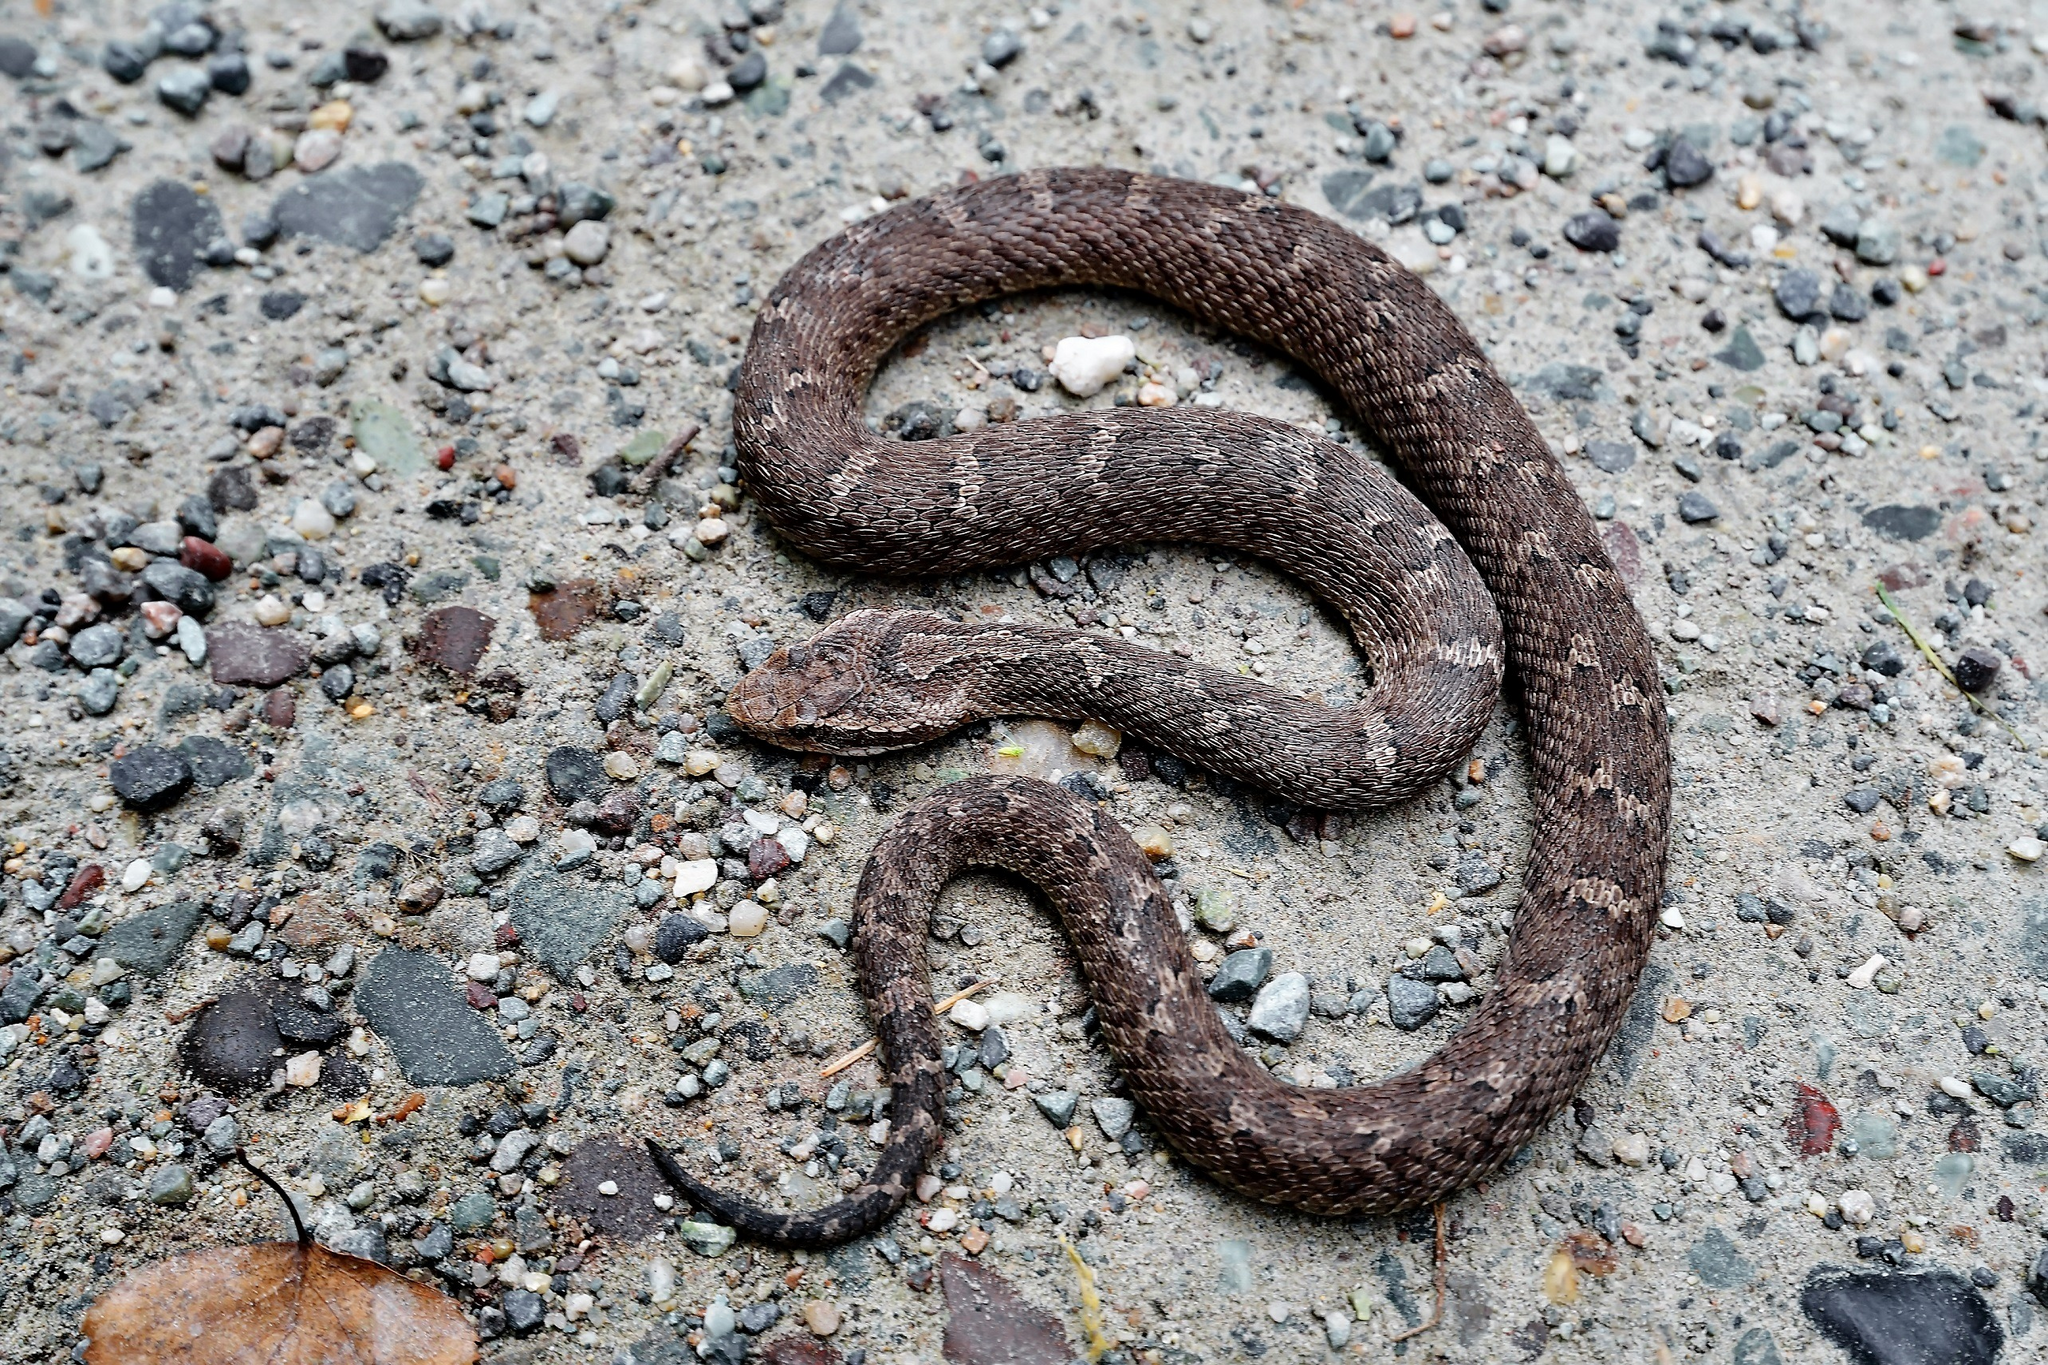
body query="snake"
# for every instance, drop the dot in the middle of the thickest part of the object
(1478, 563)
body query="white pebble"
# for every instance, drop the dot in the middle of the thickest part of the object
(136, 875)
(303, 1070)
(748, 919)
(1861, 978)
(1083, 365)
(608, 1188)
(2027, 848)
(482, 966)
(971, 1015)
(270, 610)
(1858, 1207)
(311, 520)
(1954, 1087)
(698, 875)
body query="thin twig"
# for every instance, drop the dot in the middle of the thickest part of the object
(1436, 1314)
(1939, 666)
(305, 1238)
(835, 1067)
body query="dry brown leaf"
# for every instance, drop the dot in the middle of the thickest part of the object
(275, 1303)
(1590, 1252)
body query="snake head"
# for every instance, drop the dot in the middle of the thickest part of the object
(868, 683)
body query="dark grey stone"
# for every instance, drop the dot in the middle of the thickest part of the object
(1057, 1106)
(18, 56)
(501, 795)
(576, 775)
(780, 987)
(356, 206)
(676, 935)
(1741, 352)
(1685, 165)
(1612, 457)
(99, 646)
(1718, 1264)
(1896, 521)
(1695, 509)
(411, 1001)
(1890, 1319)
(1593, 230)
(148, 943)
(215, 762)
(95, 145)
(1411, 1003)
(1798, 294)
(185, 90)
(150, 777)
(841, 35)
(1241, 974)
(172, 227)
(561, 919)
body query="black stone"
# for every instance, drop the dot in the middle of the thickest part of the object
(149, 778)
(172, 227)
(524, 1311)
(303, 1028)
(1685, 166)
(229, 72)
(229, 490)
(617, 697)
(434, 1034)
(1593, 230)
(1846, 304)
(1862, 800)
(434, 248)
(364, 65)
(124, 61)
(749, 71)
(230, 1044)
(173, 582)
(1880, 1318)
(501, 795)
(1975, 667)
(1741, 352)
(676, 935)
(357, 206)
(576, 775)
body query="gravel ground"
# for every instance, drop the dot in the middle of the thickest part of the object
(374, 569)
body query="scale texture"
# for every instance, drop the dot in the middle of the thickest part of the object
(1575, 647)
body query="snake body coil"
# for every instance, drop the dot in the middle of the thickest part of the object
(1003, 494)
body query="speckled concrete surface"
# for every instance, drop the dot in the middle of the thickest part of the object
(1811, 363)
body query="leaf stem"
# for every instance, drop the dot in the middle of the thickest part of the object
(305, 1238)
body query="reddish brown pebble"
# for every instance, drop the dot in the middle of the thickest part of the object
(454, 638)
(481, 997)
(244, 653)
(568, 609)
(506, 475)
(445, 457)
(84, 882)
(766, 858)
(280, 708)
(203, 556)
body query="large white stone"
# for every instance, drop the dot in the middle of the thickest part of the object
(700, 874)
(1084, 364)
